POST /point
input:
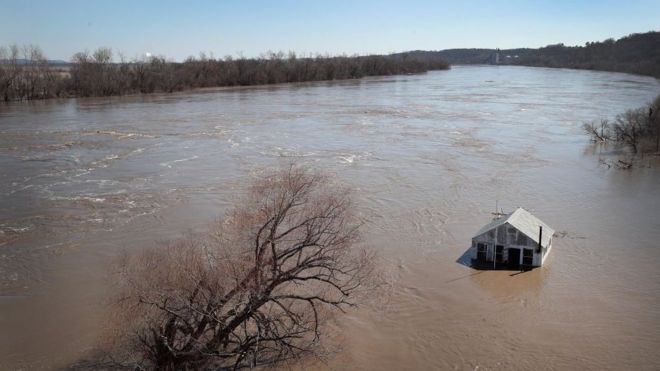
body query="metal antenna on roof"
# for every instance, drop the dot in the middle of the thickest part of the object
(496, 213)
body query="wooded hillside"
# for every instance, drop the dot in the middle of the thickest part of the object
(636, 53)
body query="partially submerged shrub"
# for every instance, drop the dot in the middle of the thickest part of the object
(636, 129)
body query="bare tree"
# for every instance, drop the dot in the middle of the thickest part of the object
(5, 81)
(256, 289)
(629, 128)
(654, 121)
(12, 71)
(637, 129)
(598, 133)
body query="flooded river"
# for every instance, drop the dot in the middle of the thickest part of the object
(428, 156)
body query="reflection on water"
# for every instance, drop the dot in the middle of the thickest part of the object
(427, 155)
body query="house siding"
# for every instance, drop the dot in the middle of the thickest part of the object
(510, 238)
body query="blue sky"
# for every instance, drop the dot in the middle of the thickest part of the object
(178, 29)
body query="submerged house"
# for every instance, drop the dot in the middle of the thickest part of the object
(517, 240)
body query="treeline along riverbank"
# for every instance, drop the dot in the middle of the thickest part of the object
(636, 53)
(26, 74)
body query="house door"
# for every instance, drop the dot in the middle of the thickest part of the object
(499, 254)
(528, 257)
(514, 258)
(481, 252)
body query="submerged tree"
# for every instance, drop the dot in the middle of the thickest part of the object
(637, 129)
(598, 132)
(255, 290)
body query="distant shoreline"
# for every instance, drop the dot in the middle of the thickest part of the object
(26, 74)
(97, 75)
(637, 54)
(211, 89)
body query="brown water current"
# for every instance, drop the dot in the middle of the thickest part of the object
(428, 155)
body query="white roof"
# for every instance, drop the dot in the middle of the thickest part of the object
(523, 221)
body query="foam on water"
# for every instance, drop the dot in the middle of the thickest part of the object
(171, 163)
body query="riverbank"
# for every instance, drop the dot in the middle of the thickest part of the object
(97, 74)
(636, 54)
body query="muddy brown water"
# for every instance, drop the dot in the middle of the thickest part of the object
(428, 155)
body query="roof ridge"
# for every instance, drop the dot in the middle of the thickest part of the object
(524, 221)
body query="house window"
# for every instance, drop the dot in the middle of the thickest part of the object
(528, 256)
(522, 240)
(481, 251)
